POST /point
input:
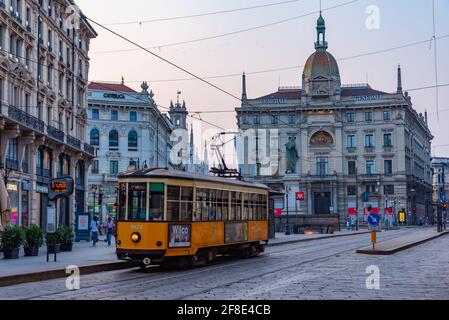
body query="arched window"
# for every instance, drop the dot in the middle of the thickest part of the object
(132, 140)
(113, 139)
(79, 173)
(95, 137)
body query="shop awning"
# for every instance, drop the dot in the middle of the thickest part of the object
(5, 204)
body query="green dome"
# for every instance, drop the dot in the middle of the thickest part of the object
(321, 63)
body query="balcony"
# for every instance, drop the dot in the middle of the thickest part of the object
(55, 133)
(89, 149)
(26, 119)
(74, 142)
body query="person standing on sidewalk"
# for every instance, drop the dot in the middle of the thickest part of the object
(109, 230)
(94, 230)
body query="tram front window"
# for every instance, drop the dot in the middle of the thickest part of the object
(157, 201)
(137, 201)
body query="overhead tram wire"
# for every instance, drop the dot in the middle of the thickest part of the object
(140, 22)
(190, 73)
(229, 33)
(232, 75)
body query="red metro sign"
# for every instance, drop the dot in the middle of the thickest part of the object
(300, 196)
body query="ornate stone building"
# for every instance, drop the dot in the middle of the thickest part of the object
(346, 147)
(440, 168)
(44, 66)
(124, 126)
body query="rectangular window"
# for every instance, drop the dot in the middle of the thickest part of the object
(352, 168)
(352, 190)
(370, 167)
(389, 189)
(113, 167)
(114, 115)
(95, 114)
(95, 168)
(133, 116)
(387, 115)
(137, 202)
(368, 116)
(322, 166)
(256, 120)
(274, 119)
(369, 141)
(292, 119)
(388, 140)
(350, 117)
(388, 166)
(351, 141)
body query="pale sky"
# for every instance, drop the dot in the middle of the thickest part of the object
(283, 45)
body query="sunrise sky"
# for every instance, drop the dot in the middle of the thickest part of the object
(287, 44)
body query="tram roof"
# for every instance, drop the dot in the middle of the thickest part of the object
(175, 174)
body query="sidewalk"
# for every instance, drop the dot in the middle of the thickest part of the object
(403, 242)
(282, 239)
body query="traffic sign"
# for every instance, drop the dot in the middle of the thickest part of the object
(374, 219)
(300, 196)
(443, 197)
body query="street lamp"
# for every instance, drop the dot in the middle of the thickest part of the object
(287, 226)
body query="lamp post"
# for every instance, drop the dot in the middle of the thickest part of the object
(287, 226)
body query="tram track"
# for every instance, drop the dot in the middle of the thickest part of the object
(147, 280)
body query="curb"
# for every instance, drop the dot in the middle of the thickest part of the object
(320, 238)
(401, 248)
(61, 273)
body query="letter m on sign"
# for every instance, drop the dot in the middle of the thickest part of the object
(300, 196)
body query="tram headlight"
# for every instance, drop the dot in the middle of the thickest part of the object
(136, 237)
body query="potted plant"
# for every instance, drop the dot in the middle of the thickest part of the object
(34, 239)
(53, 241)
(67, 236)
(12, 238)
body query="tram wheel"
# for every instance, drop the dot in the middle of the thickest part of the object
(211, 255)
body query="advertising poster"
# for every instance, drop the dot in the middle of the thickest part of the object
(83, 222)
(179, 235)
(236, 232)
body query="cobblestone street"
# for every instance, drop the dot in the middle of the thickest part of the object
(320, 269)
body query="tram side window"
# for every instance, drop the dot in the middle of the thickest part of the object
(122, 202)
(179, 203)
(212, 205)
(236, 203)
(201, 204)
(246, 206)
(137, 201)
(225, 205)
(186, 203)
(157, 201)
(173, 205)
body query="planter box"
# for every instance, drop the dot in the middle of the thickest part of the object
(66, 247)
(31, 252)
(11, 253)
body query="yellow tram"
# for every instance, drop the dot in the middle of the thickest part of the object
(187, 218)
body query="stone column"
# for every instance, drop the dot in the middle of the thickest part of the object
(309, 199)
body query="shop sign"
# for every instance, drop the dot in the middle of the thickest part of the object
(26, 186)
(41, 189)
(12, 187)
(179, 235)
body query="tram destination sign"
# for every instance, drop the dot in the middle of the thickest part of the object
(61, 187)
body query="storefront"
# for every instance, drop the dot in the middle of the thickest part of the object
(42, 204)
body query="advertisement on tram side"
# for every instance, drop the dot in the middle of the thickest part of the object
(179, 235)
(236, 232)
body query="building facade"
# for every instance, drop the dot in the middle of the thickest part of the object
(440, 169)
(44, 66)
(124, 126)
(344, 147)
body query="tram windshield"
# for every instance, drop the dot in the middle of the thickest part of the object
(137, 202)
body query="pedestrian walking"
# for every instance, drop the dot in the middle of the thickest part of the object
(109, 230)
(94, 230)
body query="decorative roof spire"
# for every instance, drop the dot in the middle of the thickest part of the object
(399, 90)
(123, 80)
(244, 96)
(321, 42)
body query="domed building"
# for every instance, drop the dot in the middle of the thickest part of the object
(343, 149)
